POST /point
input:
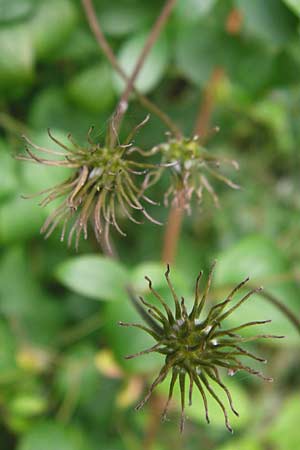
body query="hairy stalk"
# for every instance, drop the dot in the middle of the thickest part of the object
(107, 50)
(152, 38)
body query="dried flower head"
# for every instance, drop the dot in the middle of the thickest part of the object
(104, 181)
(196, 345)
(194, 166)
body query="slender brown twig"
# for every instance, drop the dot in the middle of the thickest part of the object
(176, 214)
(107, 50)
(152, 38)
(172, 233)
(282, 307)
(207, 105)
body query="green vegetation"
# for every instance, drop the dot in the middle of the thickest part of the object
(229, 65)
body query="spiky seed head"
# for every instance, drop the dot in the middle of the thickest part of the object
(196, 346)
(106, 180)
(193, 170)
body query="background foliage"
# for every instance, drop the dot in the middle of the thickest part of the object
(64, 383)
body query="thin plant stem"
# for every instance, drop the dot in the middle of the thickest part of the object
(12, 125)
(282, 307)
(176, 214)
(207, 106)
(107, 50)
(152, 38)
(172, 233)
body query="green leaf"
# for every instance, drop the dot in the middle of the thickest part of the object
(270, 21)
(153, 68)
(52, 436)
(17, 58)
(284, 433)
(94, 276)
(120, 19)
(193, 10)
(198, 54)
(27, 405)
(52, 25)
(20, 219)
(92, 89)
(11, 10)
(22, 299)
(51, 109)
(262, 261)
(294, 5)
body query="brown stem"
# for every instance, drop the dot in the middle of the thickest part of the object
(207, 106)
(153, 36)
(155, 407)
(176, 214)
(282, 307)
(172, 232)
(234, 22)
(107, 50)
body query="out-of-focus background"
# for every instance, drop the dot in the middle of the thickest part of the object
(64, 384)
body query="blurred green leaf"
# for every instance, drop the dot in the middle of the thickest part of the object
(28, 405)
(92, 89)
(11, 10)
(51, 25)
(198, 54)
(269, 21)
(258, 257)
(51, 109)
(17, 58)
(53, 436)
(23, 300)
(96, 277)
(284, 432)
(294, 5)
(20, 219)
(154, 67)
(122, 18)
(192, 10)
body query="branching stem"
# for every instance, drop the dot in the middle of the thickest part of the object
(107, 50)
